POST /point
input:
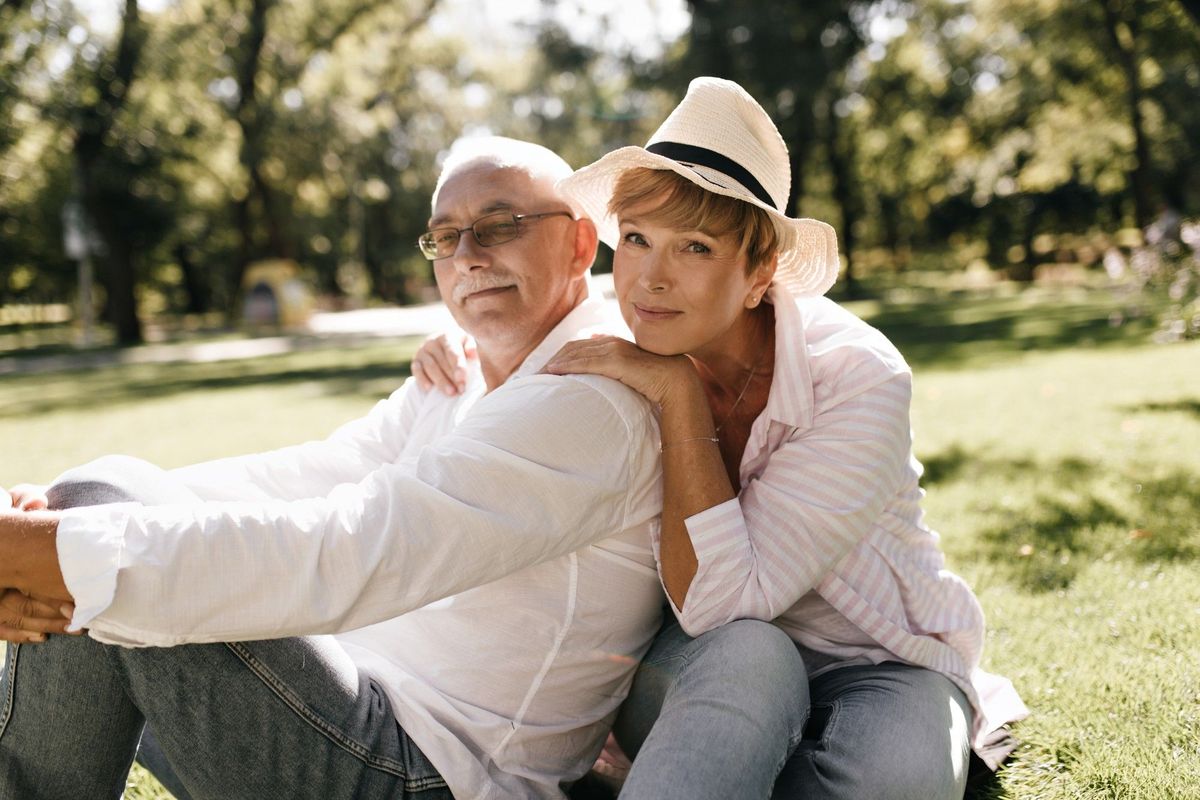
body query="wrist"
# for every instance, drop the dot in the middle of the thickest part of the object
(685, 415)
(29, 554)
(684, 393)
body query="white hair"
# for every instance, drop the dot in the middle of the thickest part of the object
(503, 153)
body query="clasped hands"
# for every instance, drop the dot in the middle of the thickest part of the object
(27, 618)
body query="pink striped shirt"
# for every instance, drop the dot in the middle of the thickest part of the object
(830, 504)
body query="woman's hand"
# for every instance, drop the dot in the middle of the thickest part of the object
(653, 376)
(441, 362)
(24, 497)
(28, 620)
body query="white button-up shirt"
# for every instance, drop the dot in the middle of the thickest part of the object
(827, 537)
(486, 557)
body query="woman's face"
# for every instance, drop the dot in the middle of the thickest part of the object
(681, 290)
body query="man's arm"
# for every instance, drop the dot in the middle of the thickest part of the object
(28, 556)
(540, 468)
(313, 468)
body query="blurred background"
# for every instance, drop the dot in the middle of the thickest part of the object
(209, 208)
(153, 154)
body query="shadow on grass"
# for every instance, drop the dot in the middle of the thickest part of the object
(66, 391)
(1191, 407)
(1065, 528)
(957, 462)
(950, 332)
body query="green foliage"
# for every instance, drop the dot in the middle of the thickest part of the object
(313, 130)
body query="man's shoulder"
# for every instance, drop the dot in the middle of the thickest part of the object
(544, 393)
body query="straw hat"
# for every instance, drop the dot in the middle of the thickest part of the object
(720, 139)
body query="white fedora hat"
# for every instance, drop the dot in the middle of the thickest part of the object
(719, 138)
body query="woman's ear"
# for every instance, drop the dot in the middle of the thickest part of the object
(760, 281)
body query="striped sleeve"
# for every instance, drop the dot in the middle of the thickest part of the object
(820, 494)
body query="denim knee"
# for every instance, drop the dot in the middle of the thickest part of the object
(113, 479)
(759, 664)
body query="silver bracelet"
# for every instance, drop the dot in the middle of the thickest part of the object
(664, 445)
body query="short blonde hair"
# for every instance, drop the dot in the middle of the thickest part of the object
(687, 205)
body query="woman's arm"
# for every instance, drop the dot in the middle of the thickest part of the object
(824, 488)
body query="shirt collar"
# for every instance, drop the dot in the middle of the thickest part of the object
(790, 400)
(591, 316)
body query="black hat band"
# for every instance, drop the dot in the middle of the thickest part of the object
(690, 154)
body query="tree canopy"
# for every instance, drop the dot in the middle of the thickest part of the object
(199, 137)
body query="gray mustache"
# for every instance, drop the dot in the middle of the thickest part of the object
(482, 282)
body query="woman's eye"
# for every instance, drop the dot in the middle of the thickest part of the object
(697, 247)
(634, 238)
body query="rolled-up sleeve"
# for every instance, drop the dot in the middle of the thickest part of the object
(820, 494)
(540, 468)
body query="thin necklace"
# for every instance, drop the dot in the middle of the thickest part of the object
(742, 393)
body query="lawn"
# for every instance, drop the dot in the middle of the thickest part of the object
(1062, 459)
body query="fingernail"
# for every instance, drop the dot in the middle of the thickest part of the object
(37, 637)
(67, 610)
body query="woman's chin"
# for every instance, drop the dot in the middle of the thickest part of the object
(655, 345)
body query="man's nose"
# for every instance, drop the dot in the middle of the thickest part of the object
(469, 254)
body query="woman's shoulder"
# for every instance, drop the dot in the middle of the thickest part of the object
(833, 335)
(845, 355)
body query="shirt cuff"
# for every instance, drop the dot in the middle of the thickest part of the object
(90, 542)
(714, 531)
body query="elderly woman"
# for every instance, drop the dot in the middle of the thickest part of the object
(791, 493)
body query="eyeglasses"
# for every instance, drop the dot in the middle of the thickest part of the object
(493, 229)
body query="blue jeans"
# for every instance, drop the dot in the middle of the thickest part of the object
(724, 714)
(287, 718)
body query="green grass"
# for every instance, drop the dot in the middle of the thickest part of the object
(1063, 471)
(174, 414)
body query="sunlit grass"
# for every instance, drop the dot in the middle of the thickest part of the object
(174, 414)
(1066, 485)
(1063, 471)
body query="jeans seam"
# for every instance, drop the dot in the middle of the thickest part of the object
(11, 669)
(822, 744)
(797, 736)
(331, 732)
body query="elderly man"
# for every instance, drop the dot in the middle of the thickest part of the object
(482, 561)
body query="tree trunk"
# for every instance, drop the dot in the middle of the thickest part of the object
(90, 150)
(840, 148)
(1122, 32)
(199, 297)
(249, 118)
(889, 217)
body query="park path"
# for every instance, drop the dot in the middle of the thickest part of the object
(324, 329)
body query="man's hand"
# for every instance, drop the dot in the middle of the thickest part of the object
(24, 497)
(28, 620)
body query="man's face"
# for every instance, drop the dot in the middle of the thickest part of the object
(510, 294)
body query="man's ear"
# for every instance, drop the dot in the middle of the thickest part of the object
(587, 241)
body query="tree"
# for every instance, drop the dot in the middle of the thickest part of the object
(101, 173)
(784, 54)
